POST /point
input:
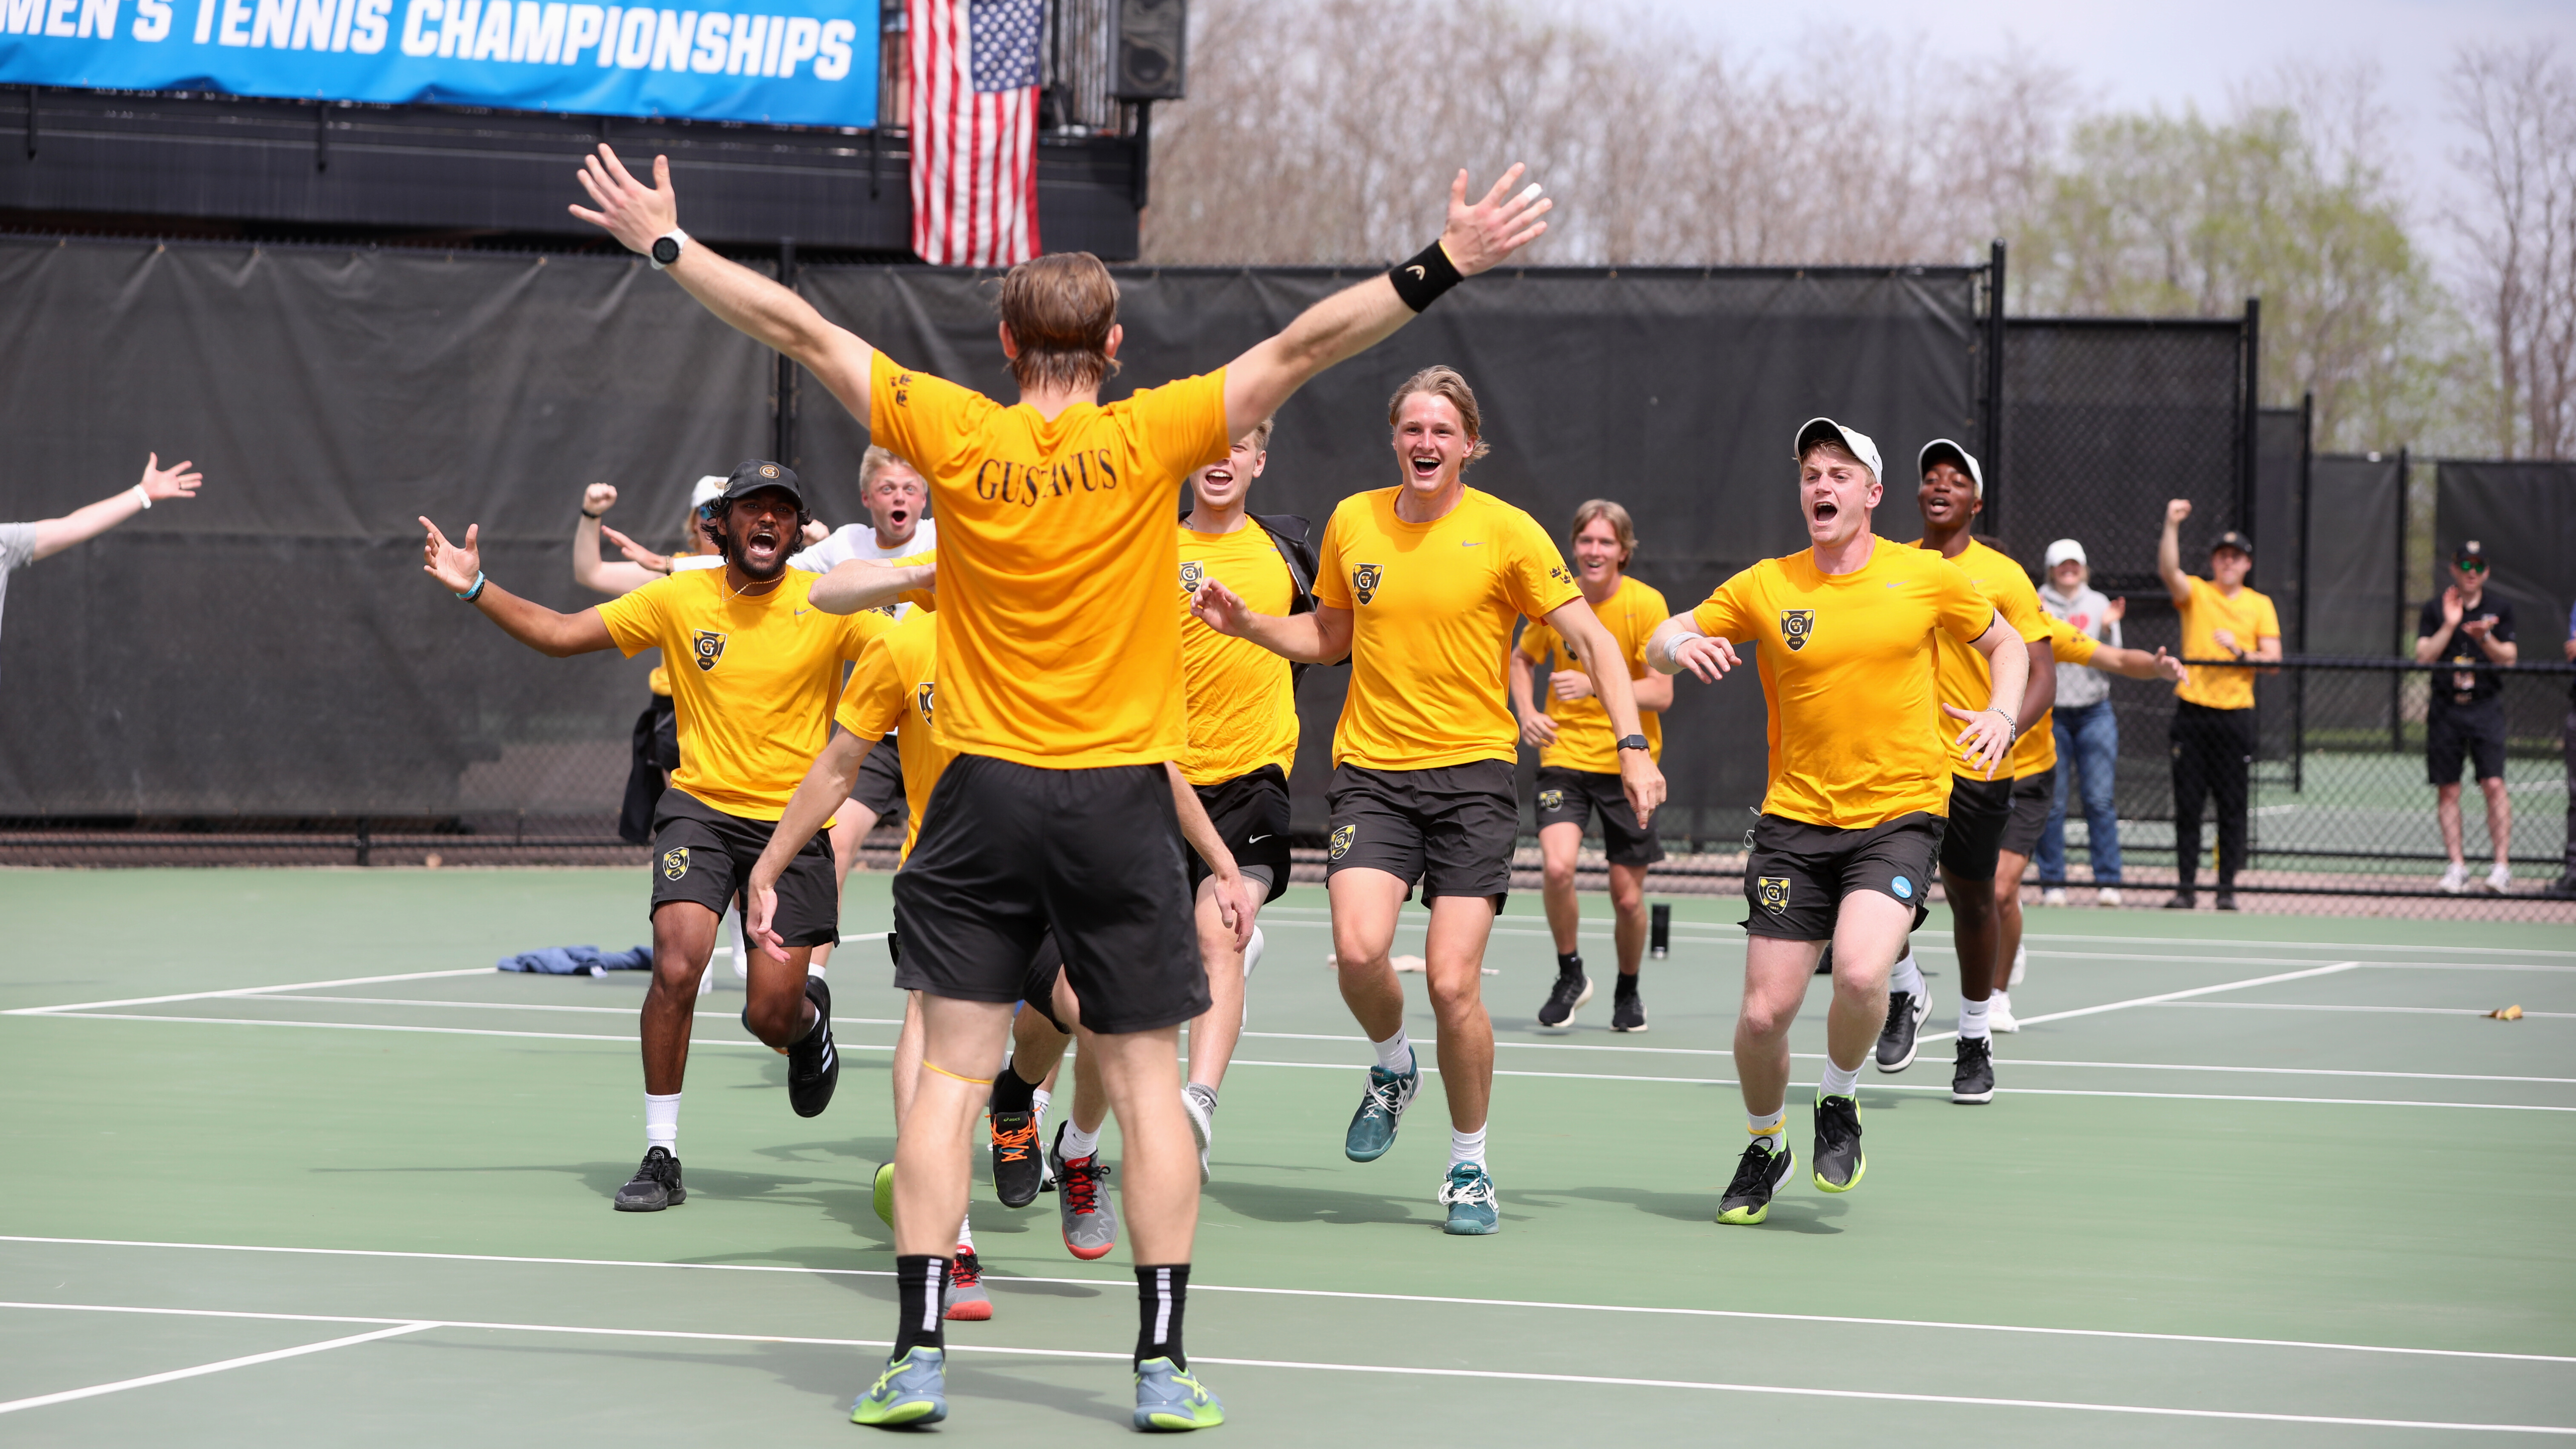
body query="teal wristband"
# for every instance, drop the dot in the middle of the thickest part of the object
(476, 592)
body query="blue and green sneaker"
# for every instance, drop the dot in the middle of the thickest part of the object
(1169, 1398)
(885, 1193)
(1373, 1126)
(912, 1390)
(1469, 1195)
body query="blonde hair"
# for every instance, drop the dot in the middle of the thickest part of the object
(1060, 308)
(1621, 526)
(879, 459)
(1260, 434)
(1444, 382)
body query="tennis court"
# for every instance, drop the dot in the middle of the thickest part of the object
(291, 1164)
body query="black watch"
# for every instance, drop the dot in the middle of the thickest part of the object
(1633, 742)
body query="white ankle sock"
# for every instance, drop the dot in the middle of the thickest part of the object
(662, 1123)
(1466, 1147)
(1078, 1143)
(1972, 1019)
(1395, 1054)
(966, 1233)
(1766, 1127)
(1837, 1081)
(1907, 976)
(1037, 1107)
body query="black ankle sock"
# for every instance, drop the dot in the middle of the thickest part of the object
(1569, 963)
(1161, 1293)
(917, 1281)
(1012, 1092)
(1627, 984)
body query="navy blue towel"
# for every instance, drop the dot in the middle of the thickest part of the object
(579, 961)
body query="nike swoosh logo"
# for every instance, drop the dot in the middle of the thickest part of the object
(1473, 543)
(1256, 840)
(801, 613)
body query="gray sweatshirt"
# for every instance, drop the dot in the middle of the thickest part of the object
(2078, 686)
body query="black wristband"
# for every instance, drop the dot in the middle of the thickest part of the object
(586, 513)
(1420, 280)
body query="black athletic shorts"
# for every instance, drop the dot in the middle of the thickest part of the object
(1009, 851)
(1449, 829)
(704, 856)
(1796, 874)
(1569, 797)
(1979, 810)
(2032, 798)
(1250, 813)
(880, 783)
(2454, 733)
(1037, 983)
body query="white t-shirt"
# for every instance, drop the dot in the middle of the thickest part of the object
(859, 540)
(2078, 686)
(18, 549)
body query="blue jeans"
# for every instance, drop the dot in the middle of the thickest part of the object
(2088, 746)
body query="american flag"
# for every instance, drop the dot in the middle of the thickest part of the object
(974, 130)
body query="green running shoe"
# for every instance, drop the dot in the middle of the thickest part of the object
(1839, 1162)
(885, 1193)
(912, 1390)
(1169, 1398)
(1373, 1126)
(1469, 1195)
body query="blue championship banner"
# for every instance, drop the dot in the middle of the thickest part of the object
(784, 62)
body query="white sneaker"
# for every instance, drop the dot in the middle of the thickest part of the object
(1999, 1015)
(2499, 880)
(2455, 880)
(1252, 952)
(2053, 896)
(1202, 1124)
(2021, 968)
(2107, 896)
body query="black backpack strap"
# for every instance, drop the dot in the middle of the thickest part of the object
(1288, 534)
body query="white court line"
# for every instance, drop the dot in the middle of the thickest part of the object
(628, 1010)
(94, 1390)
(2165, 996)
(2309, 1006)
(1007, 1281)
(695, 1041)
(2151, 1410)
(243, 991)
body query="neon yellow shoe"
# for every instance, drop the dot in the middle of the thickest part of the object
(1168, 1398)
(1759, 1174)
(885, 1193)
(1839, 1160)
(912, 1390)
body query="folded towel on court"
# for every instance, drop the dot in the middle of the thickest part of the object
(579, 961)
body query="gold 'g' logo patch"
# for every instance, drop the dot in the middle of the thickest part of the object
(1551, 799)
(1193, 574)
(1773, 892)
(768, 470)
(1797, 626)
(1365, 579)
(924, 697)
(1342, 836)
(710, 647)
(675, 862)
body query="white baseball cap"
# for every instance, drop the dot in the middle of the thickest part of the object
(706, 490)
(1851, 440)
(1942, 449)
(2067, 550)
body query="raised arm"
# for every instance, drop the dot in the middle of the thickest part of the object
(1355, 319)
(53, 535)
(2169, 553)
(866, 583)
(1322, 637)
(1580, 628)
(1989, 733)
(748, 302)
(2139, 664)
(590, 570)
(460, 571)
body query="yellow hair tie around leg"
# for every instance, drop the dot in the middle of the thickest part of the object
(960, 1076)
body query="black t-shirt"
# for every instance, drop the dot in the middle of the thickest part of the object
(2479, 685)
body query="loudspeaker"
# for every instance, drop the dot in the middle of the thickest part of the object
(1149, 50)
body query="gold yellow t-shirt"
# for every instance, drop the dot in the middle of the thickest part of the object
(1846, 664)
(1966, 680)
(1241, 699)
(1584, 737)
(2036, 748)
(1432, 606)
(1055, 546)
(897, 684)
(659, 681)
(2249, 617)
(752, 683)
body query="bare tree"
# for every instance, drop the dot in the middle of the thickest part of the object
(2518, 107)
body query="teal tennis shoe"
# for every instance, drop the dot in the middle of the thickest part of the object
(1169, 1399)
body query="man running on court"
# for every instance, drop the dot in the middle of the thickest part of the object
(1843, 637)
(1420, 584)
(1578, 762)
(1060, 689)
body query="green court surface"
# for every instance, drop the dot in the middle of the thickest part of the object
(289, 1164)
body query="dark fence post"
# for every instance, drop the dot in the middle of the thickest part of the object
(2253, 417)
(2299, 681)
(786, 365)
(2397, 682)
(1992, 443)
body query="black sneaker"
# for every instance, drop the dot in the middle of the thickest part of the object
(1018, 1162)
(2564, 887)
(1906, 1011)
(2181, 901)
(1627, 1012)
(1973, 1079)
(2226, 900)
(1759, 1173)
(1839, 1161)
(813, 1067)
(655, 1186)
(1565, 998)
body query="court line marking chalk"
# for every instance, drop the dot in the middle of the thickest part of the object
(94, 1390)
(2164, 996)
(244, 991)
(1400, 1370)
(2319, 1006)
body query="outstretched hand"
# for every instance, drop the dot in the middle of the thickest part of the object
(629, 210)
(1221, 609)
(1479, 237)
(446, 562)
(1983, 743)
(2169, 669)
(635, 552)
(1708, 658)
(175, 481)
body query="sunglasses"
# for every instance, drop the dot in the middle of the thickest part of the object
(2474, 566)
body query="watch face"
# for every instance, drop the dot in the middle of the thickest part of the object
(666, 250)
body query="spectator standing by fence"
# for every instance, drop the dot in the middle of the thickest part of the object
(2213, 722)
(2464, 713)
(2088, 732)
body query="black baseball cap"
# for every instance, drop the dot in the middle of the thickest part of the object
(756, 474)
(2472, 554)
(2237, 541)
